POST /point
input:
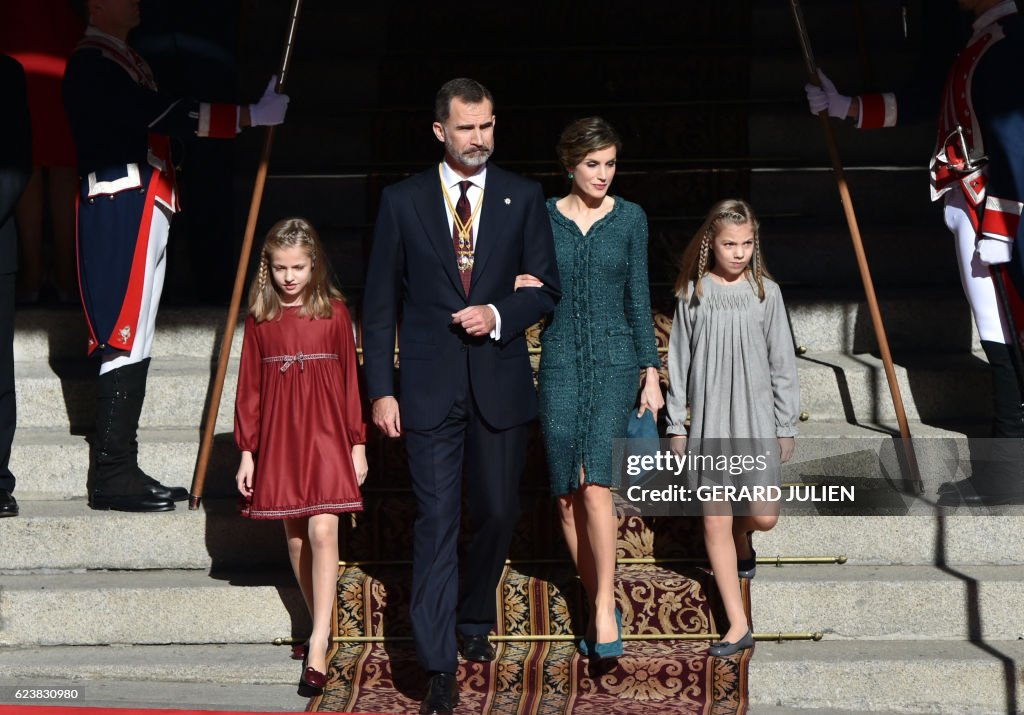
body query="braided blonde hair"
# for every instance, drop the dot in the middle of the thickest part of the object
(264, 299)
(699, 258)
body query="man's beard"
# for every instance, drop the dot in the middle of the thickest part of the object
(477, 157)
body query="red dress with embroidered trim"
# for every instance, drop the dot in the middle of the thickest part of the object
(298, 411)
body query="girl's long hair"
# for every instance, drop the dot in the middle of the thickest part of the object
(265, 301)
(699, 256)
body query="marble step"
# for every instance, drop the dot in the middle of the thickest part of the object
(69, 536)
(942, 678)
(831, 320)
(834, 387)
(823, 678)
(64, 533)
(191, 606)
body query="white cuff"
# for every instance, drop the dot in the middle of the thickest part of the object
(496, 333)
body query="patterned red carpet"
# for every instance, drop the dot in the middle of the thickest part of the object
(539, 597)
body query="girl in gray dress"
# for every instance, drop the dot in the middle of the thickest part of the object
(731, 359)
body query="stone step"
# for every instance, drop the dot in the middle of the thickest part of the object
(823, 678)
(192, 606)
(56, 535)
(144, 696)
(961, 538)
(933, 319)
(55, 334)
(834, 386)
(223, 677)
(149, 607)
(52, 464)
(899, 603)
(944, 678)
(934, 388)
(62, 395)
(68, 535)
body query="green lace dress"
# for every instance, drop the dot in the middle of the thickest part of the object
(599, 337)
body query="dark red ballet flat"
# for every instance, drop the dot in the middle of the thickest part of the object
(313, 678)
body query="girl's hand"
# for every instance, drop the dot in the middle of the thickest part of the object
(244, 476)
(787, 445)
(677, 443)
(651, 397)
(525, 280)
(359, 462)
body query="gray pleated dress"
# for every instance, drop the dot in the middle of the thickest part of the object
(731, 358)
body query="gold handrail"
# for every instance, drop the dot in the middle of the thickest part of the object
(567, 637)
(766, 560)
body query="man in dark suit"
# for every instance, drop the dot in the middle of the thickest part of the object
(447, 247)
(15, 170)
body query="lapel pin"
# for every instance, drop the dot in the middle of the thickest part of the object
(507, 201)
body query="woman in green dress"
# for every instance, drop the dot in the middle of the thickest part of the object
(598, 349)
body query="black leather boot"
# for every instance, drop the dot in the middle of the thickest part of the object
(134, 382)
(115, 481)
(997, 464)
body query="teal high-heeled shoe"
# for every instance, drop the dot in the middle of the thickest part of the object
(606, 651)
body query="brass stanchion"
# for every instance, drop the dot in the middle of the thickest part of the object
(567, 637)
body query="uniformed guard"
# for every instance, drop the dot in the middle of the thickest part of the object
(122, 124)
(976, 170)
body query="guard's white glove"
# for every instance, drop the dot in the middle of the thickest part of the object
(826, 97)
(992, 251)
(271, 108)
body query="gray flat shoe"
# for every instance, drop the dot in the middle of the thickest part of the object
(725, 648)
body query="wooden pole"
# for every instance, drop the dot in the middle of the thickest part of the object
(858, 249)
(206, 445)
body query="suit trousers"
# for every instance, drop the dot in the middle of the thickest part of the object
(8, 409)
(494, 461)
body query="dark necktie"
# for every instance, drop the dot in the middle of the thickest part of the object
(462, 209)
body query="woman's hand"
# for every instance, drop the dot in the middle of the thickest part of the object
(359, 462)
(677, 443)
(787, 445)
(650, 395)
(525, 280)
(244, 476)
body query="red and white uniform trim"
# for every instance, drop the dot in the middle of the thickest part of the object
(877, 111)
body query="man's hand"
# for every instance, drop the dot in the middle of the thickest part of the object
(826, 97)
(386, 416)
(992, 251)
(270, 109)
(476, 320)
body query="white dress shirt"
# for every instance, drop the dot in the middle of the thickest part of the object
(474, 194)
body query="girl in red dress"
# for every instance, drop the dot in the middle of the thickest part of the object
(298, 417)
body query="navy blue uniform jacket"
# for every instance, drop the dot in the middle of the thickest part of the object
(412, 273)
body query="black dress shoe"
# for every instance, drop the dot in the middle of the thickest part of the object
(169, 493)
(477, 648)
(442, 695)
(8, 504)
(101, 500)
